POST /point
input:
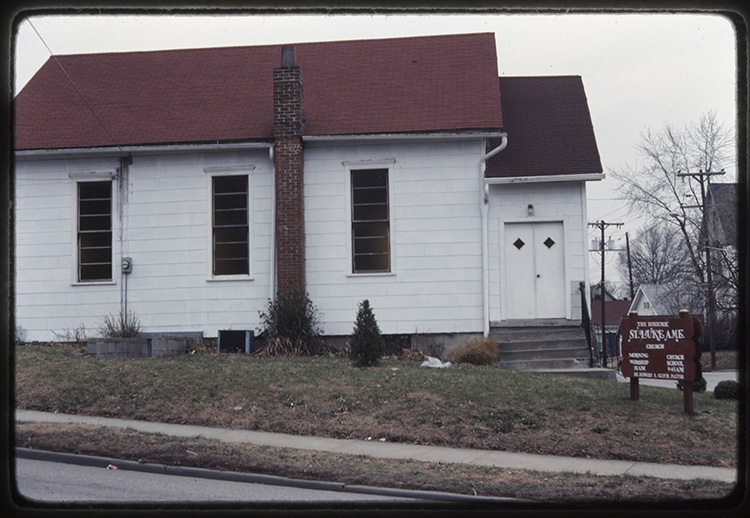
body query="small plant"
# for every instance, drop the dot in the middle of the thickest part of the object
(201, 345)
(699, 385)
(290, 326)
(366, 344)
(727, 389)
(121, 326)
(428, 344)
(479, 351)
(76, 335)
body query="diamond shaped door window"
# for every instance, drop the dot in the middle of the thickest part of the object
(518, 243)
(549, 242)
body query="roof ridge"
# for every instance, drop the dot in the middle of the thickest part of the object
(278, 45)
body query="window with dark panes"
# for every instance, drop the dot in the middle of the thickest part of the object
(94, 231)
(370, 223)
(230, 225)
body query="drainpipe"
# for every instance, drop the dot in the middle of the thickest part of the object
(484, 199)
(123, 187)
(272, 253)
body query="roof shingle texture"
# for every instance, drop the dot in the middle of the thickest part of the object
(549, 128)
(403, 85)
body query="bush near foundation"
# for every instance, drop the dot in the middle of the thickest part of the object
(121, 326)
(727, 389)
(479, 351)
(366, 343)
(290, 325)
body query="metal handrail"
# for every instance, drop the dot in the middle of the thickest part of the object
(586, 322)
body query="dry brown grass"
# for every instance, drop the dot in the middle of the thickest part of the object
(463, 406)
(478, 351)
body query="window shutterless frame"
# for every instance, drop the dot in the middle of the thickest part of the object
(230, 226)
(94, 231)
(370, 220)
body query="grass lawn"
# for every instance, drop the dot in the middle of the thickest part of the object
(462, 406)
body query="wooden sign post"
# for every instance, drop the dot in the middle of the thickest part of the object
(661, 347)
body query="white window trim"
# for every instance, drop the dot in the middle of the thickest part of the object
(233, 170)
(354, 165)
(94, 176)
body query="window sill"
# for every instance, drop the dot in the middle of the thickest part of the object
(225, 278)
(375, 274)
(93, 283)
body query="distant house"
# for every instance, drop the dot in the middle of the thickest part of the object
(402, 170)
(720, 225)
(651, 299)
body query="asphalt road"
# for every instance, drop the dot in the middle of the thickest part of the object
(57, 482)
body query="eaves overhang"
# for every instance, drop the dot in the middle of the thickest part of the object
(494, 180)
(442, 135)
(51, 154)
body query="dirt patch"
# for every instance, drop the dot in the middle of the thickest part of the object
(351, 469)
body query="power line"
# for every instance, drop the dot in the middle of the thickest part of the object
(76, 87)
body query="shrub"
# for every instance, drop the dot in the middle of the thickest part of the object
(699, 385)
(74, 336)
(290, 325)
(121, 326)
(366, 344)
(727, 389)
(479, 351)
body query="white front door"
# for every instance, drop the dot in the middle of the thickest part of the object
(534, 270)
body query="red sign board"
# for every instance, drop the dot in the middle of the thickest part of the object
(660, 347)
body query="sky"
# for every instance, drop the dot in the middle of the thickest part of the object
(640, 71)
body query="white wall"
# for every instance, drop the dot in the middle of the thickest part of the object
(436, 281)
(166, 231)
(555, 201)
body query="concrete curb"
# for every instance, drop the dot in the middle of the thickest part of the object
(376, 449)
(253, 478)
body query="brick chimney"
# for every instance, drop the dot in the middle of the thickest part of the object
(288, 124)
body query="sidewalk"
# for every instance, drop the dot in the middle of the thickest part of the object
(384, 450)
(712, 379)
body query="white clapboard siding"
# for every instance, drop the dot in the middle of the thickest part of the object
(166, 231)
(552, 202)
(435, 284)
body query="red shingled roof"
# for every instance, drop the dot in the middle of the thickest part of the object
(549, 128)
(614, 311)
(425, 84)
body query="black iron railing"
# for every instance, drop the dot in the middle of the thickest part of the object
(586, 322)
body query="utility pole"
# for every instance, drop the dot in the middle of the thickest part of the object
(709, 274)
(601, 225)
(630, 267)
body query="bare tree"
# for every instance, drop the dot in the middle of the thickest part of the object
(659, 189)
(657, 256)
(669, 187)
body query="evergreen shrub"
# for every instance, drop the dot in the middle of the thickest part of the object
(727, 389)
(290, 326)
(366, 344)
(699, 385)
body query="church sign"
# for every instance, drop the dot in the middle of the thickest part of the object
(661, 347)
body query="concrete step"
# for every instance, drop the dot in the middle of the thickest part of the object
(552, 345)
(544, 354)
(544, 364)
(536, 333)
(533, 345)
